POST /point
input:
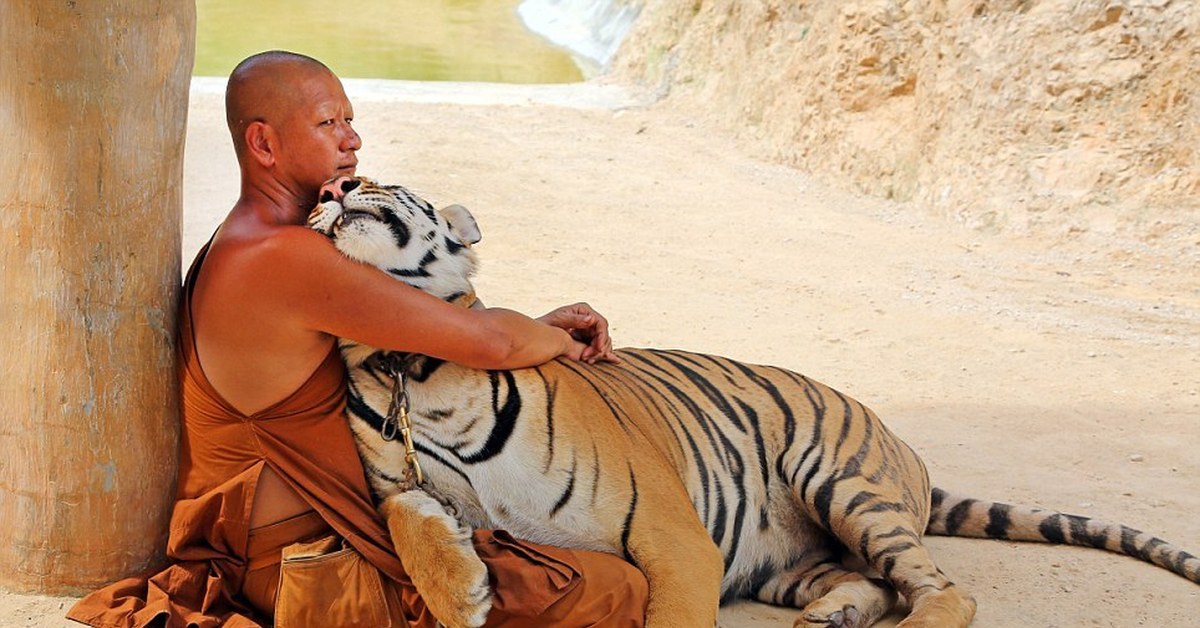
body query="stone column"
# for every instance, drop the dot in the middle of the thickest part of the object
(93, 111)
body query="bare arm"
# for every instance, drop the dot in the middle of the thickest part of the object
(323, 291)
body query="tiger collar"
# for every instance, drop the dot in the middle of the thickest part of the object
(466, 299)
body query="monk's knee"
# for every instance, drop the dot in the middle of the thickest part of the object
(613, 593)
(632, 589)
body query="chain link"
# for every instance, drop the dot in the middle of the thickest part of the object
(397, 422)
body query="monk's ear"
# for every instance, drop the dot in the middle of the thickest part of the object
(261, 143)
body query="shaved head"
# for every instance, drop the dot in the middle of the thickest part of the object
(262, 88)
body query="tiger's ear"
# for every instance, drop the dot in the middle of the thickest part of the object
(462, 223)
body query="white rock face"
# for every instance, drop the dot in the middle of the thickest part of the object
(1058, 116)
(592, 29)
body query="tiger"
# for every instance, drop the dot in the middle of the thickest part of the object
(719, 480)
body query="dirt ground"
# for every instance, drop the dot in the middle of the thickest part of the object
(1061, 373)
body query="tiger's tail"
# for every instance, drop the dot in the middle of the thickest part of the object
(952, 515)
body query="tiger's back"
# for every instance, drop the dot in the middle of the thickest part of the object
(753, 446)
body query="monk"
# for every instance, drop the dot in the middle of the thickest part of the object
(267, 458)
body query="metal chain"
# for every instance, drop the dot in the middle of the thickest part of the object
(397, 422)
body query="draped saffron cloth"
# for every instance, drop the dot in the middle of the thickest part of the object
(306, 440)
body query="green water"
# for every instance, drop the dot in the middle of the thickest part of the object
(424, 40)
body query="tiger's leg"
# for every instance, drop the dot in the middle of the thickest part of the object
(440, 558)
(666, 540)
(831, 595)
(884, 535)
(684, 572)
(936, 602)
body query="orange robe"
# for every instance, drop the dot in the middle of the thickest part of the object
(307, 442)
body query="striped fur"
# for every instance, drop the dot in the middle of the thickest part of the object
(718, 479)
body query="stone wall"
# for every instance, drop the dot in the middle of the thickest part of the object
(1053, 116)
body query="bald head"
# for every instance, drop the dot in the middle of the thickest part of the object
(262, 88)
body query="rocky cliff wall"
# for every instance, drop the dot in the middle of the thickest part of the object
(1046, 115)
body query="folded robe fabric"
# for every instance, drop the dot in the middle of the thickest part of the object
(307, 442)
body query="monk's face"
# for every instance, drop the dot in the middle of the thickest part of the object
(316, 140)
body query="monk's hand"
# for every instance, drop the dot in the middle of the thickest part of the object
(587, 326)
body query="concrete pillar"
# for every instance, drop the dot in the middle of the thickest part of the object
(93, 111)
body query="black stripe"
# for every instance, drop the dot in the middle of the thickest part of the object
(739, 517)
(815, 444)
(888, 566)
(957, 516)
(506, 418)
(808, 477)
(864, 543)
(1128, 542)
(1080, 535)
(703, 421)
(858, 500)
(398, 228)
(712, 393)
(1146, 552)
(1181, 557)
(885, 507)
(936, 496)
(891, 550)
(819, 571)
(822, 501)
(998, 521)
(551, 397)
(718, 523)
(361, 410)
(788, 597)
(789, 419)
(1051, 529)
(897, 531)
(753, 582)
(760, 445)
(419, 271)
(628, 525)
(566, 496)
(596, 474)
(426, 367)
(433, 455)
(616, 411)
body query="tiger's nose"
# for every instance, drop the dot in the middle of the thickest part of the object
(335, 189)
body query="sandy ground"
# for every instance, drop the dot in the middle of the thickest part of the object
(1064, 374)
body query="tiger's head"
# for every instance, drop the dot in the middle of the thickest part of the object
(389, 227)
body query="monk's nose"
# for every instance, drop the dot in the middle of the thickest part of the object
(335, 189)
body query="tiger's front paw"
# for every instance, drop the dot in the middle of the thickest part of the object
(324, 216)
(845, 617)
(438, 554)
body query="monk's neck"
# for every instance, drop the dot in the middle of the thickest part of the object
(274, 203)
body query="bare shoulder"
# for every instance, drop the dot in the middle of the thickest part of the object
(268, 256)
(247, 307)
(272, 244)
(296, 274)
